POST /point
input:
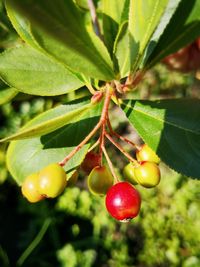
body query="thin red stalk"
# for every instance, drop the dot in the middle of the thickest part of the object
(77, 148)
(119, 136)
(101, 122)
(110, 165)
(121, 149)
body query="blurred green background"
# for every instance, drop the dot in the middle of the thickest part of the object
(75, 230)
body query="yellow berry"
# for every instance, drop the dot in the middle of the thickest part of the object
(147, 154)
(30, 188)
(52, 180)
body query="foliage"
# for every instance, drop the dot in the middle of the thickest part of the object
(53, 57)
(64, 50)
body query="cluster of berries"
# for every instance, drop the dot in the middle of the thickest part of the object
(122, 200)
(47, 183)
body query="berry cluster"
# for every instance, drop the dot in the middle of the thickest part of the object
(122, 199)
(47, 183)
(146, 172)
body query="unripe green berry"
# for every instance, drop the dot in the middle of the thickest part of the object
(100, 180)
(128, 173)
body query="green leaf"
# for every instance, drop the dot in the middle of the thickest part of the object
(32, 72)
(21, 25)
(183, 28)
(28, 156)
(7, 94)
(59, 28)
(144, 17)
(122, 50)
(51, 120)
(171, 128)
(115, 12)
(165, 19)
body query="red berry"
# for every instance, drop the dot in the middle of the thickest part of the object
(91, 160)
(123, 201)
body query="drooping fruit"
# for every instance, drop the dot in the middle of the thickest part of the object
(52, 180)
(100, 180)
(128, 173)
(147, 174)
(123, 201)
(91, 160)
(147, 154)
(30, 188)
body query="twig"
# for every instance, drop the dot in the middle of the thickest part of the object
(101, 122)
(121, 149)
(110, 165)
(77, 148)
(112, 132)
(94, 18)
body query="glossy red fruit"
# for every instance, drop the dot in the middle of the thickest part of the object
(91, 160)
(123, 201)
(145, 153)
(147, 174)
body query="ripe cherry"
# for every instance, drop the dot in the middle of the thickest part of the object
(91, 160)
(100, 180)
(145, 153)
(52, 180)
(123, 201)
(128, 173)
(30, 188)
(147, 174)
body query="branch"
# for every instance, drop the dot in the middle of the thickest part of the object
(121, 149)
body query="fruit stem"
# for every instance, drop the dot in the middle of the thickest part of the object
(134, 161)
(104, 118)
(77, 148)
(94, 18)
(101, 123)
(116, 179)
(112, 132)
